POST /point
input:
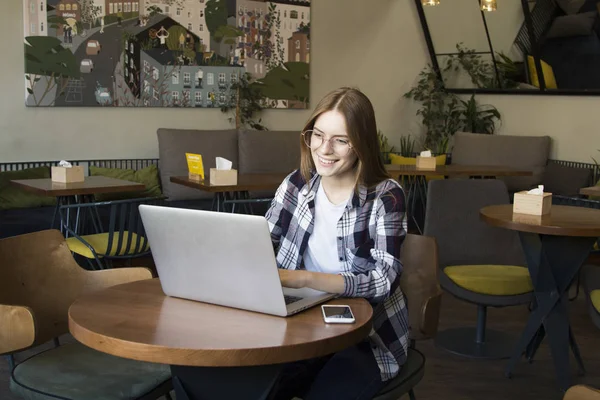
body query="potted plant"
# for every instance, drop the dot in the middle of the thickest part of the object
(439, 109)
(443, 113)
(384, 147)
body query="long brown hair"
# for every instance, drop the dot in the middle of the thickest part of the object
(362, 133)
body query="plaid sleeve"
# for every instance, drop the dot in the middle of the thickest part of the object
(390, 231)
(274, 214)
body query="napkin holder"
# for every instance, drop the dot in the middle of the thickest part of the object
(532, 204)
(426, 163)
(223, 177)
(67, 175)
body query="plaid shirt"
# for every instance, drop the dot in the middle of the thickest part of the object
(370, 233)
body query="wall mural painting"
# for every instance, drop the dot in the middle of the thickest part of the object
(165, 53)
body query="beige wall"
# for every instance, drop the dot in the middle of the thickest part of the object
(376, 45)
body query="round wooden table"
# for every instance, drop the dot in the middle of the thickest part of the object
(138, 321)
(555, 246)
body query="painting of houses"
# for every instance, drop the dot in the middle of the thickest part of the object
(165, 53)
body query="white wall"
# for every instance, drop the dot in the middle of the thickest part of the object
(376, 45)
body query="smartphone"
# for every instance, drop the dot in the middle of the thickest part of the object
(338, 314)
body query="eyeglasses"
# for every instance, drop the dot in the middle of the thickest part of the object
(315, 139)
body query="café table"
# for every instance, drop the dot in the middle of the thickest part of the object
(76, 192)
(415, 179)
(225, 195)
(555, 246)
(228, 353)
(590, 191)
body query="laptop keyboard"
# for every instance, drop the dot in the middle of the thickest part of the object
(291, 299)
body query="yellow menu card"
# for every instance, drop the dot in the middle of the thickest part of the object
(195, 166)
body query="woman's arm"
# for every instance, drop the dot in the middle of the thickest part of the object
(274, 213)
(384, 266)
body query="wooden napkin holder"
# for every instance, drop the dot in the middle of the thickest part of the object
(532, 204)
(426, 163)
(67, 175)
(223, 177)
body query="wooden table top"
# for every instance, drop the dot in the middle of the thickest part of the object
(590, 191)
(137, 321)
(91, 185)
(562, 220)
(246, 182)
(456, 170)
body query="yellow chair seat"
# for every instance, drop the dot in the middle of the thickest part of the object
(595, 295)
(99, 242)
(496, 280)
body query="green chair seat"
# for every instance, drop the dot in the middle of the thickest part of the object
(76, 372)
(595, 296)
(411, 373)
(495, 280)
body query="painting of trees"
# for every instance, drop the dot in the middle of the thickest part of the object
(48, 66)
(89, 12)
(216, 15)
(289, 81)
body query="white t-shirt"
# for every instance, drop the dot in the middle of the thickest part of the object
(322, 254)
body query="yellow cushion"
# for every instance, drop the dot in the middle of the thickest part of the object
(497, 280)
(401, 160)
(547, 71)
(99, 242)
(595, 295)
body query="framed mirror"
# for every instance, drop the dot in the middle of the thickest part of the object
(514, 46)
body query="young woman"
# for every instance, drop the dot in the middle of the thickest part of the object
(337, 225)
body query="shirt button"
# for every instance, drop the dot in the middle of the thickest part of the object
(339, 238)
(341, 258)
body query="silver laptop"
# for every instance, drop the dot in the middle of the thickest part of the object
(221, 258)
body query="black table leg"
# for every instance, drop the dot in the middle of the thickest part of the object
(239, 383)
(553, 262)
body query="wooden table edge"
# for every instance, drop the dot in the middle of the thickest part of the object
(531, 228)
(133, 187)
(155, 353)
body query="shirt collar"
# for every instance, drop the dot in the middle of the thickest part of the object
(310, 191)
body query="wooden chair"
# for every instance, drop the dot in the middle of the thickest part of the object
(581, 392)
(420, 286)
(39, 279)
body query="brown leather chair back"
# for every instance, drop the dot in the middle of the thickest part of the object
(420, 285)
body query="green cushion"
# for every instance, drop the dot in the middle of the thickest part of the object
(15, 197)
(410, 374)
(595, 296)
(148, 176)
(76, 372)
(495, 280)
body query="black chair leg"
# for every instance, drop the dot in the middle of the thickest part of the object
(411, 395)
(478, 342)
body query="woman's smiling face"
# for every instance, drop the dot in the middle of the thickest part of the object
(330, 146)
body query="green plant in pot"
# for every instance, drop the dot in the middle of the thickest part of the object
(439, 111)
(443, 113)
(478, 118)
(384, 147)
(407, 146)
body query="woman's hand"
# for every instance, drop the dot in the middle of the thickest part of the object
(297, 279)
(293, 278)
